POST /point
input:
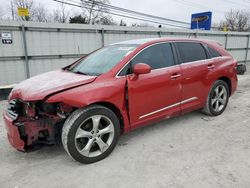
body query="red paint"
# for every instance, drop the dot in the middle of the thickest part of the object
(37, 87)
(141, 68)
(148, 94)
(153, 91)
(13, 134)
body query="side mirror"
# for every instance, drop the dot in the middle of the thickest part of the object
(141, 68)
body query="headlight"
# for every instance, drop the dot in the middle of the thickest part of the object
(49, 108)
(30, 109)
(12, 109)
(58, 109)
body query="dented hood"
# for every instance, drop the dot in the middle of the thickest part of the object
(38, 87)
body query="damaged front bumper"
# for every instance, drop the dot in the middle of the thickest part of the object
(25, 133)
(29, 124)
(13, 133)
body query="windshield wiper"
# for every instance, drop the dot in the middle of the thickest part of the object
(79, 72)
(88, 74)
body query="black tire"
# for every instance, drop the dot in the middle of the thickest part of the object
(209, 108)
(73, 124)
(241, 69)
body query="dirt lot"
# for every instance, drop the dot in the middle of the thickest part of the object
(193, 150)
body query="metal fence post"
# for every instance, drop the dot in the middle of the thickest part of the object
(102, 32)
(196, 34)
(226, 41)
(27, 69)
(248, 38)
(159, 34)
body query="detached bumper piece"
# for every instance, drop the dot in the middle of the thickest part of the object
(241, 68)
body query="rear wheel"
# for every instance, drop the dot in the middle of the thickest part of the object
(90, 134)
(217, 99)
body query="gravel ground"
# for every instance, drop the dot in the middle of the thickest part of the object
(193, 150)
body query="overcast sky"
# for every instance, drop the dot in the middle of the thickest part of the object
(173, 9)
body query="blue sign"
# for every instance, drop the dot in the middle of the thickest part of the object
(201, 21)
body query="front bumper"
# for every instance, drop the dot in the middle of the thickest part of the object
(13, 133)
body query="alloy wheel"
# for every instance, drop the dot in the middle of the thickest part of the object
(219, 98)
(94, 136)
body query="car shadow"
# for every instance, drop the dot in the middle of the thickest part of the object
(54, 151)
(159, 127)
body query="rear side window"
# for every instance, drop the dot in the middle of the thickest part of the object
(156, 56)
(213, 53)
(191, 51)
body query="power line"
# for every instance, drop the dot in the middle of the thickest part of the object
(121, 15)
(126, 13)
(134, 12)
(131, 12)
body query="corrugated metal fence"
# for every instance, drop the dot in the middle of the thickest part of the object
(41, 47)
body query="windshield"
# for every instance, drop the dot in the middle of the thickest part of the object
(103, 60)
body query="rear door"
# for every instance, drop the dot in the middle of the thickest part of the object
(155, 95)
(196, 71)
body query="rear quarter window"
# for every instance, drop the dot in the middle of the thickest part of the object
(213, 53)
(191, 51)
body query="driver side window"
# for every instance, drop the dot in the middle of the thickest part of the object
(156, 56)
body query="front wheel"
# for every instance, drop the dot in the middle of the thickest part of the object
(90, 134)
(217, 99)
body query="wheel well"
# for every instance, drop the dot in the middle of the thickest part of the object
(228, 81)
(115, 110)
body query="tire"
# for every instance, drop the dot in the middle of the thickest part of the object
(90, 134)
(241, 69)
(216, 103)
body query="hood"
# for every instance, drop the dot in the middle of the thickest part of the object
(38, 87)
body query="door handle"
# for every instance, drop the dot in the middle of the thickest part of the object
(175, 76)
(210, 66)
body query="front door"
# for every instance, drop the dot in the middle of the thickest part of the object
(155, 95)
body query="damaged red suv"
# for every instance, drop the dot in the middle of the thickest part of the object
(116, 89)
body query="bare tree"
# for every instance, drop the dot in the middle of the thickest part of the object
(61, 14)
(78, 19)
(122, 23)
(95, 10)
(236, 20)
(41, 14)
(29, 4)
(1, 13)
(106, 20)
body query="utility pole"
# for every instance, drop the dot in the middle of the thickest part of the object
(12, 11)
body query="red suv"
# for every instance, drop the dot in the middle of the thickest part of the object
(116, 89)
